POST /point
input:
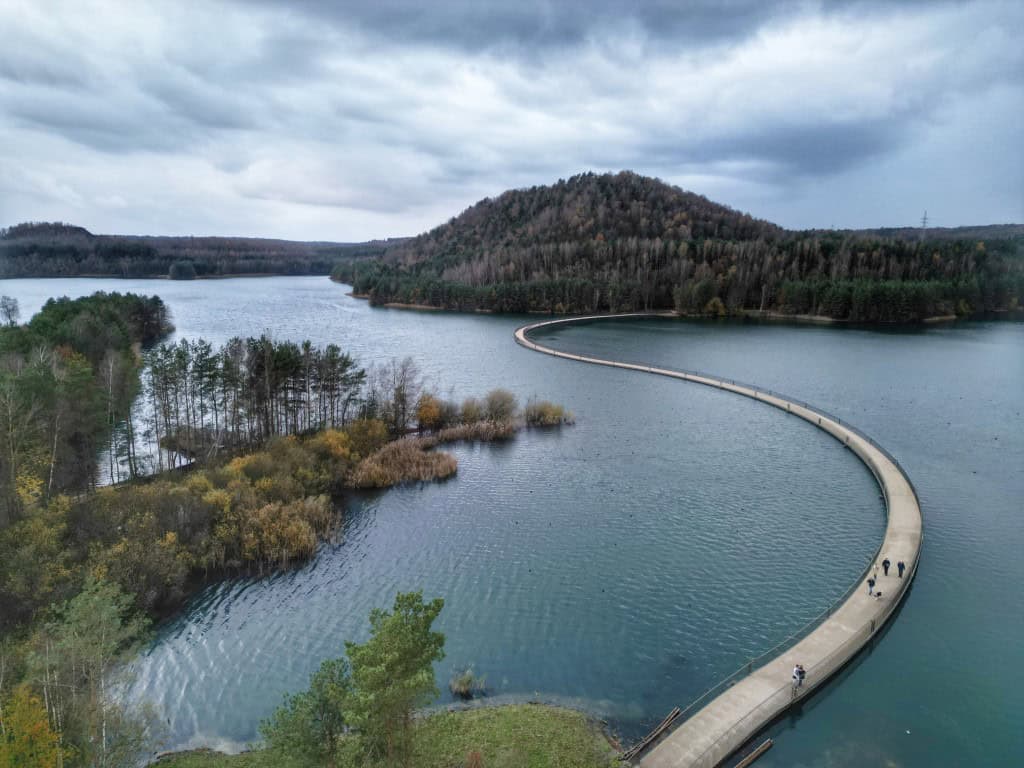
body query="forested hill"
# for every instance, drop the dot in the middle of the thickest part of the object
(599, 243)
(41, 249)
(586, 208)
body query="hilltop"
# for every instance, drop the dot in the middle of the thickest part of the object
(624, 242)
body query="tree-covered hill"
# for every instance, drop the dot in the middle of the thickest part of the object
(41, 249)
(597, 243)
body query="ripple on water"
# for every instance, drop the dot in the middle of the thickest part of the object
(938, 398)
(615, 563)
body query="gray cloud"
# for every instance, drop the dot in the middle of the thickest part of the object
(312, 120)
(476, 25)
(542, 23)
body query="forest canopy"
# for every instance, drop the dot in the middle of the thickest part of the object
(623, 242)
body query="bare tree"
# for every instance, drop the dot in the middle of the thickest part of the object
(9, 311)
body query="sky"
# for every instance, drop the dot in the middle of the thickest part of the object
(346, 121)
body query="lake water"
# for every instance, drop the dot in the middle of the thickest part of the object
(625, 564)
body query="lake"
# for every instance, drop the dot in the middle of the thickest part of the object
(625, 564)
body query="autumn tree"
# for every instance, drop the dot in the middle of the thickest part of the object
(26, 738)
(428, 411)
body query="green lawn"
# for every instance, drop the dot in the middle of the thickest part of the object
(522, 736)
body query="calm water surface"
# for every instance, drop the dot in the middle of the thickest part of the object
(625, 564)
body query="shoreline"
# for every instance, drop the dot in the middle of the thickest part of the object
(746, 314)
(229, 276)
(496, 711)
(739, 707)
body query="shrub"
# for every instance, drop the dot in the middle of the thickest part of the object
(715, 307)
(428, 411)
(542, 413)
(483, 431)
(367, 435)
(472, 410)
(182, 270)
(465, 683)
(449, 414)
(501, 405)
(403, 461)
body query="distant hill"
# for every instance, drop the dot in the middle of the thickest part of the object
(43, 249)
(586, 208)
(621, 242)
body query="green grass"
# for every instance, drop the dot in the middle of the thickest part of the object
(521, 736)
(206, 759)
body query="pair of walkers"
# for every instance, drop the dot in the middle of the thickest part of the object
(900, 566)
(799, 673)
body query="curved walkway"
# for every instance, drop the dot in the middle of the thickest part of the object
(731, 718)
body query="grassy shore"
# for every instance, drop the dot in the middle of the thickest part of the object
(518, 736)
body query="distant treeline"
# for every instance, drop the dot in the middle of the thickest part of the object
(624, 242)
(63, 250)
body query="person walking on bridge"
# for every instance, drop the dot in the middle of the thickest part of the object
(885, 566)
(900, 566)
(871, 585)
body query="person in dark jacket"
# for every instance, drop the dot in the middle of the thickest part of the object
(885, 566)
(900, 566)
(871, 585)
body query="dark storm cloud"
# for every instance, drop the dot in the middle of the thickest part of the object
(777, 153)
(475, 25)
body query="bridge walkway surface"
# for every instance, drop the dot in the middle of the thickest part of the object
(724, 719)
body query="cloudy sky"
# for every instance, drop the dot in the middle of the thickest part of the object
(309, 119)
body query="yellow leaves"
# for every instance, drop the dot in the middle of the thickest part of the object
(332, 443)
(715, 307)
(219, 499)
(305, 477)
(198, 483)
(29, 488)
(59, 507)
(26, 738)
(367, 436)
(254, 465)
